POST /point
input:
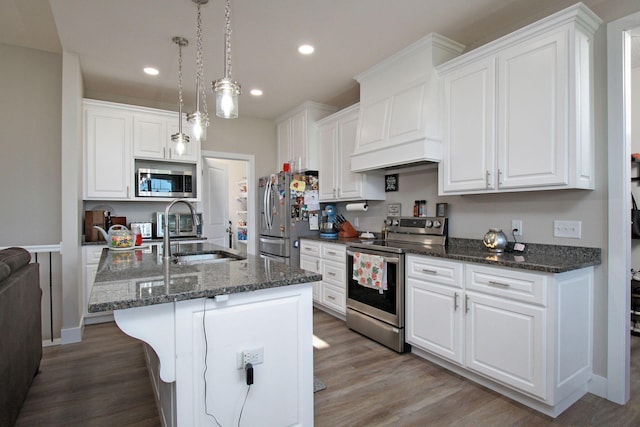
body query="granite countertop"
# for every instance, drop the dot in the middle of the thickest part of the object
(536, 257)
(138, 277)
(147, 241)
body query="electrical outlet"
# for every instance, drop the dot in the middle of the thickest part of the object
(516, 224)
(254, 356)
(570, 229)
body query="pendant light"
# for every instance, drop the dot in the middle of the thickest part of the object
(180, 138)
(200, 117)
(226, 89)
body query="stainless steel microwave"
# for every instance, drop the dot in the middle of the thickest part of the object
(164, 183)
(180, 225)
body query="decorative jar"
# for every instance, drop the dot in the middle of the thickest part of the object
(495, 240)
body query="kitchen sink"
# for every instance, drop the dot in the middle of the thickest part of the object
(205, 257)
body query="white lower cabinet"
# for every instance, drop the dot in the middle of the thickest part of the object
(310, 261)
(434, 297)
(90, 260)
(329, 260)
(525, 334)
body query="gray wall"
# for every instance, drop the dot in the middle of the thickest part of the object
(245, 135)
(30, 84)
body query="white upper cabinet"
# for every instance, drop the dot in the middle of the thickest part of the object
(336, 140)
(152, 138)
(108, 167)
(518, 112)
(398, 119)
(297, 136)
(116, 135)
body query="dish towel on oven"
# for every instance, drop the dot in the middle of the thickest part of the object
(370, 271)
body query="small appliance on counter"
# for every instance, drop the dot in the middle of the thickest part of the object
(328, 228)
(146, 228)
(180, 225)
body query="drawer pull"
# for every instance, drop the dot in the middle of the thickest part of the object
(425, 270)
(501, 285)
(331, 273)
(331, 253)
(331, 297)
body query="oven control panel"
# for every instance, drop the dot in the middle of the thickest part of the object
(436, 226)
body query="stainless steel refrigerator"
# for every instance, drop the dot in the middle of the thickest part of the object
(284, 214)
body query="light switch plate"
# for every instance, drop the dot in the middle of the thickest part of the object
(570, 229)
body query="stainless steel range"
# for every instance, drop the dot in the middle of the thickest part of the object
(376, 310)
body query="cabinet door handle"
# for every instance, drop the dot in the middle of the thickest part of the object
(164, 152)
(426, 270)
(455, 301)
(169, 152)
(499, 176)
(127, 191)
(501, 285)
(466, 303)
(487, 176)
(317, 264)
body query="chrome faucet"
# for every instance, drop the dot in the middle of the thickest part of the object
(166, 239)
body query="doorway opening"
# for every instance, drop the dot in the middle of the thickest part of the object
(228, 200)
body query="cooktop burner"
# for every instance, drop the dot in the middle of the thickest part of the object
(410, 233)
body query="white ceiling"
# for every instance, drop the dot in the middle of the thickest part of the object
(115, 39)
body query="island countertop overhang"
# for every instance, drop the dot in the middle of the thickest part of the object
(139, 277)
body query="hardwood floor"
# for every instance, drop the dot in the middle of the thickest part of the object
(103, 381)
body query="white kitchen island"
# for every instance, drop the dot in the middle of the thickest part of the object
(197, 321)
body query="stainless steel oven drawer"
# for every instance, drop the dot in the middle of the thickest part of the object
(377, 330)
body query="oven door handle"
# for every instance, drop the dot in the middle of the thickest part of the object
(392, 260)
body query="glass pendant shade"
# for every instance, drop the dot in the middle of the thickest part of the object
(227, 92)
(179, 139)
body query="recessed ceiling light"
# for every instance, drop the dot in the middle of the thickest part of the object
(256, 92)
(151, 71)
(306, 49)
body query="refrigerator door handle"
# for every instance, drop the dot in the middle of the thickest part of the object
(272, 241)
(265, 205)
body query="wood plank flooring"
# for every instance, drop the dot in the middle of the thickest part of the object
(103, 381)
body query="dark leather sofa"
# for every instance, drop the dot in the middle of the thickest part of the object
(20, 330)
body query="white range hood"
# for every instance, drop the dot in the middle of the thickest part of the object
(398, 119)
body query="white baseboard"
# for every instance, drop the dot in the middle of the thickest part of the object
(71, 335)
(598, 386)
